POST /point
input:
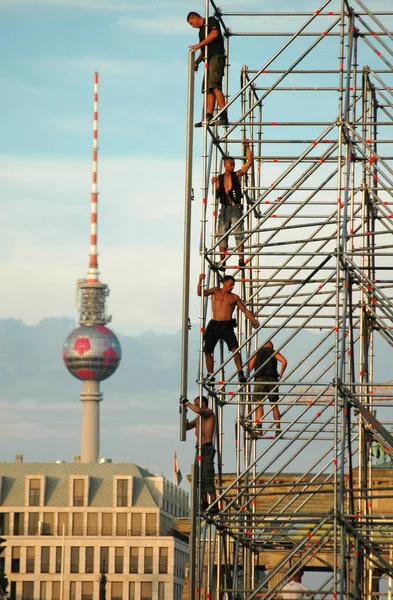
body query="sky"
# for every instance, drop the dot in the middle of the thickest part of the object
(50, 50)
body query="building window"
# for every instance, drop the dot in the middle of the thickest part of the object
(13, 590)
(77, 524)
(117, 590)
(104, 559)
(45, 554)
(33, 524)
(131, 590)
(34, 492)
(119, 559)
(43, 590)
(47, 528)
(62, 524)
(59, 557)
(78, 495)
(72, 590)
(55, 590)
(92, 523)
(15, 559)
(136, 524)
(89, 559)
(163, 561)
(151, 519)
(121, 524)
(148, 564)
(28, 590)
(122, 492)
(146, 590)
(19, 522)
(5, 523)
(30, 556)
(161, 590)
(134, 554)
(74, 566)
(106, 523)
(87, 590)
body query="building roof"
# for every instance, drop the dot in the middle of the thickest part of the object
(146, 492)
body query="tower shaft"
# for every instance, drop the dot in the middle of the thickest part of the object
(90, 442)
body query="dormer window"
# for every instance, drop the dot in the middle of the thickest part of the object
(34, 492)
(78, 493)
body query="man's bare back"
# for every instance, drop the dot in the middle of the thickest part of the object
(206, 420)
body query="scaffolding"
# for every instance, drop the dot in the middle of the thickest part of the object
(317, 106)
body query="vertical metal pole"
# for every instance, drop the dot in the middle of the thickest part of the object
(187, 246)
(193, 529)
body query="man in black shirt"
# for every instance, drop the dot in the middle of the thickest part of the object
(216, 63)
(266, 381)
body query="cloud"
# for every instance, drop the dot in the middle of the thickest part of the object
(171, 25)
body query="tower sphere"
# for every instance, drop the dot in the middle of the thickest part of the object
(92, 352)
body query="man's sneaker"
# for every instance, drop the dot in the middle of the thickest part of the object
(278, 432)
(241, 377)
(214, 510)
(258, 429)
(209, 117)
(204, 505)
(222, 121)
(209, 380)
(242, 263)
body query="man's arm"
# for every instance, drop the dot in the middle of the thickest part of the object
(252, 362)
(204, 412)
(283, 362)
(208, 292)
(247, 312)
(250, 159)
(191, 424)
(208, 40)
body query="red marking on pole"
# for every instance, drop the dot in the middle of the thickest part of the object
(373, 301)
(357, 516)
(94, 218)
(335, 461)
(253, 502)
(267, 202)
(274, 216)
(202, 329)
(274, 122)
(351, 89)
(341, 66)
(390, 217)
(310, 403)
(214, 213)
(373, 159)
(373, 33)
(386, 202)
(264, 71)
(318, 414)
(200, 458)
(368, 233)
(349, 353)
(379, 53)
(318, 11)
(208, 596)
(279, 199)
(243, 507)
(226, 253)
(275, 160)
(325, 33)
(368, 141)
(334, 595)
(322, 160)
(198, 590)
(220, 382)
(203, 200)
(337, 330)
(230, 393)
(243, 279)
(351, 231)
(206, 65)
(320, 287)
(315, 143)
(328, 141)
(309, 535)
(248, 532)
(361, 373)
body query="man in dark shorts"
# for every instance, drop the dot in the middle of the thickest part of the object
(229, 192)
(216, 63)
(266, 381)
(221, 327)
(204, 426)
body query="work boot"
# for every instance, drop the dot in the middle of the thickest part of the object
(223, 120)
(209, 117)
(241, 377)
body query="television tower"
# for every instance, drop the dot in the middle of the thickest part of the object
(92, 352)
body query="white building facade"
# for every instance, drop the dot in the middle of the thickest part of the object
(66, 524)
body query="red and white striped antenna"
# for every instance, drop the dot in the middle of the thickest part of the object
(92, 276)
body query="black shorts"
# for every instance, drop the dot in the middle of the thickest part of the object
(220, 330)
(207, 468)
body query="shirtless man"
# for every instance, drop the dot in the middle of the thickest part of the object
(221, 326)
(206, 421)
(229, 191)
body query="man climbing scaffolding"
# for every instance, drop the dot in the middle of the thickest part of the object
(204, 425)
(215, 63)
(228, 190)
(221, 326)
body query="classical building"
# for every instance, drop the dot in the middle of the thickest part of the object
(67, 523)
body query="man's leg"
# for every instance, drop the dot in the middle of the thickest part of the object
(219, 96)
(259, 411)
(238, 362)
(277, 416)
(223, 252)
(211, 102)
(209, 362)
